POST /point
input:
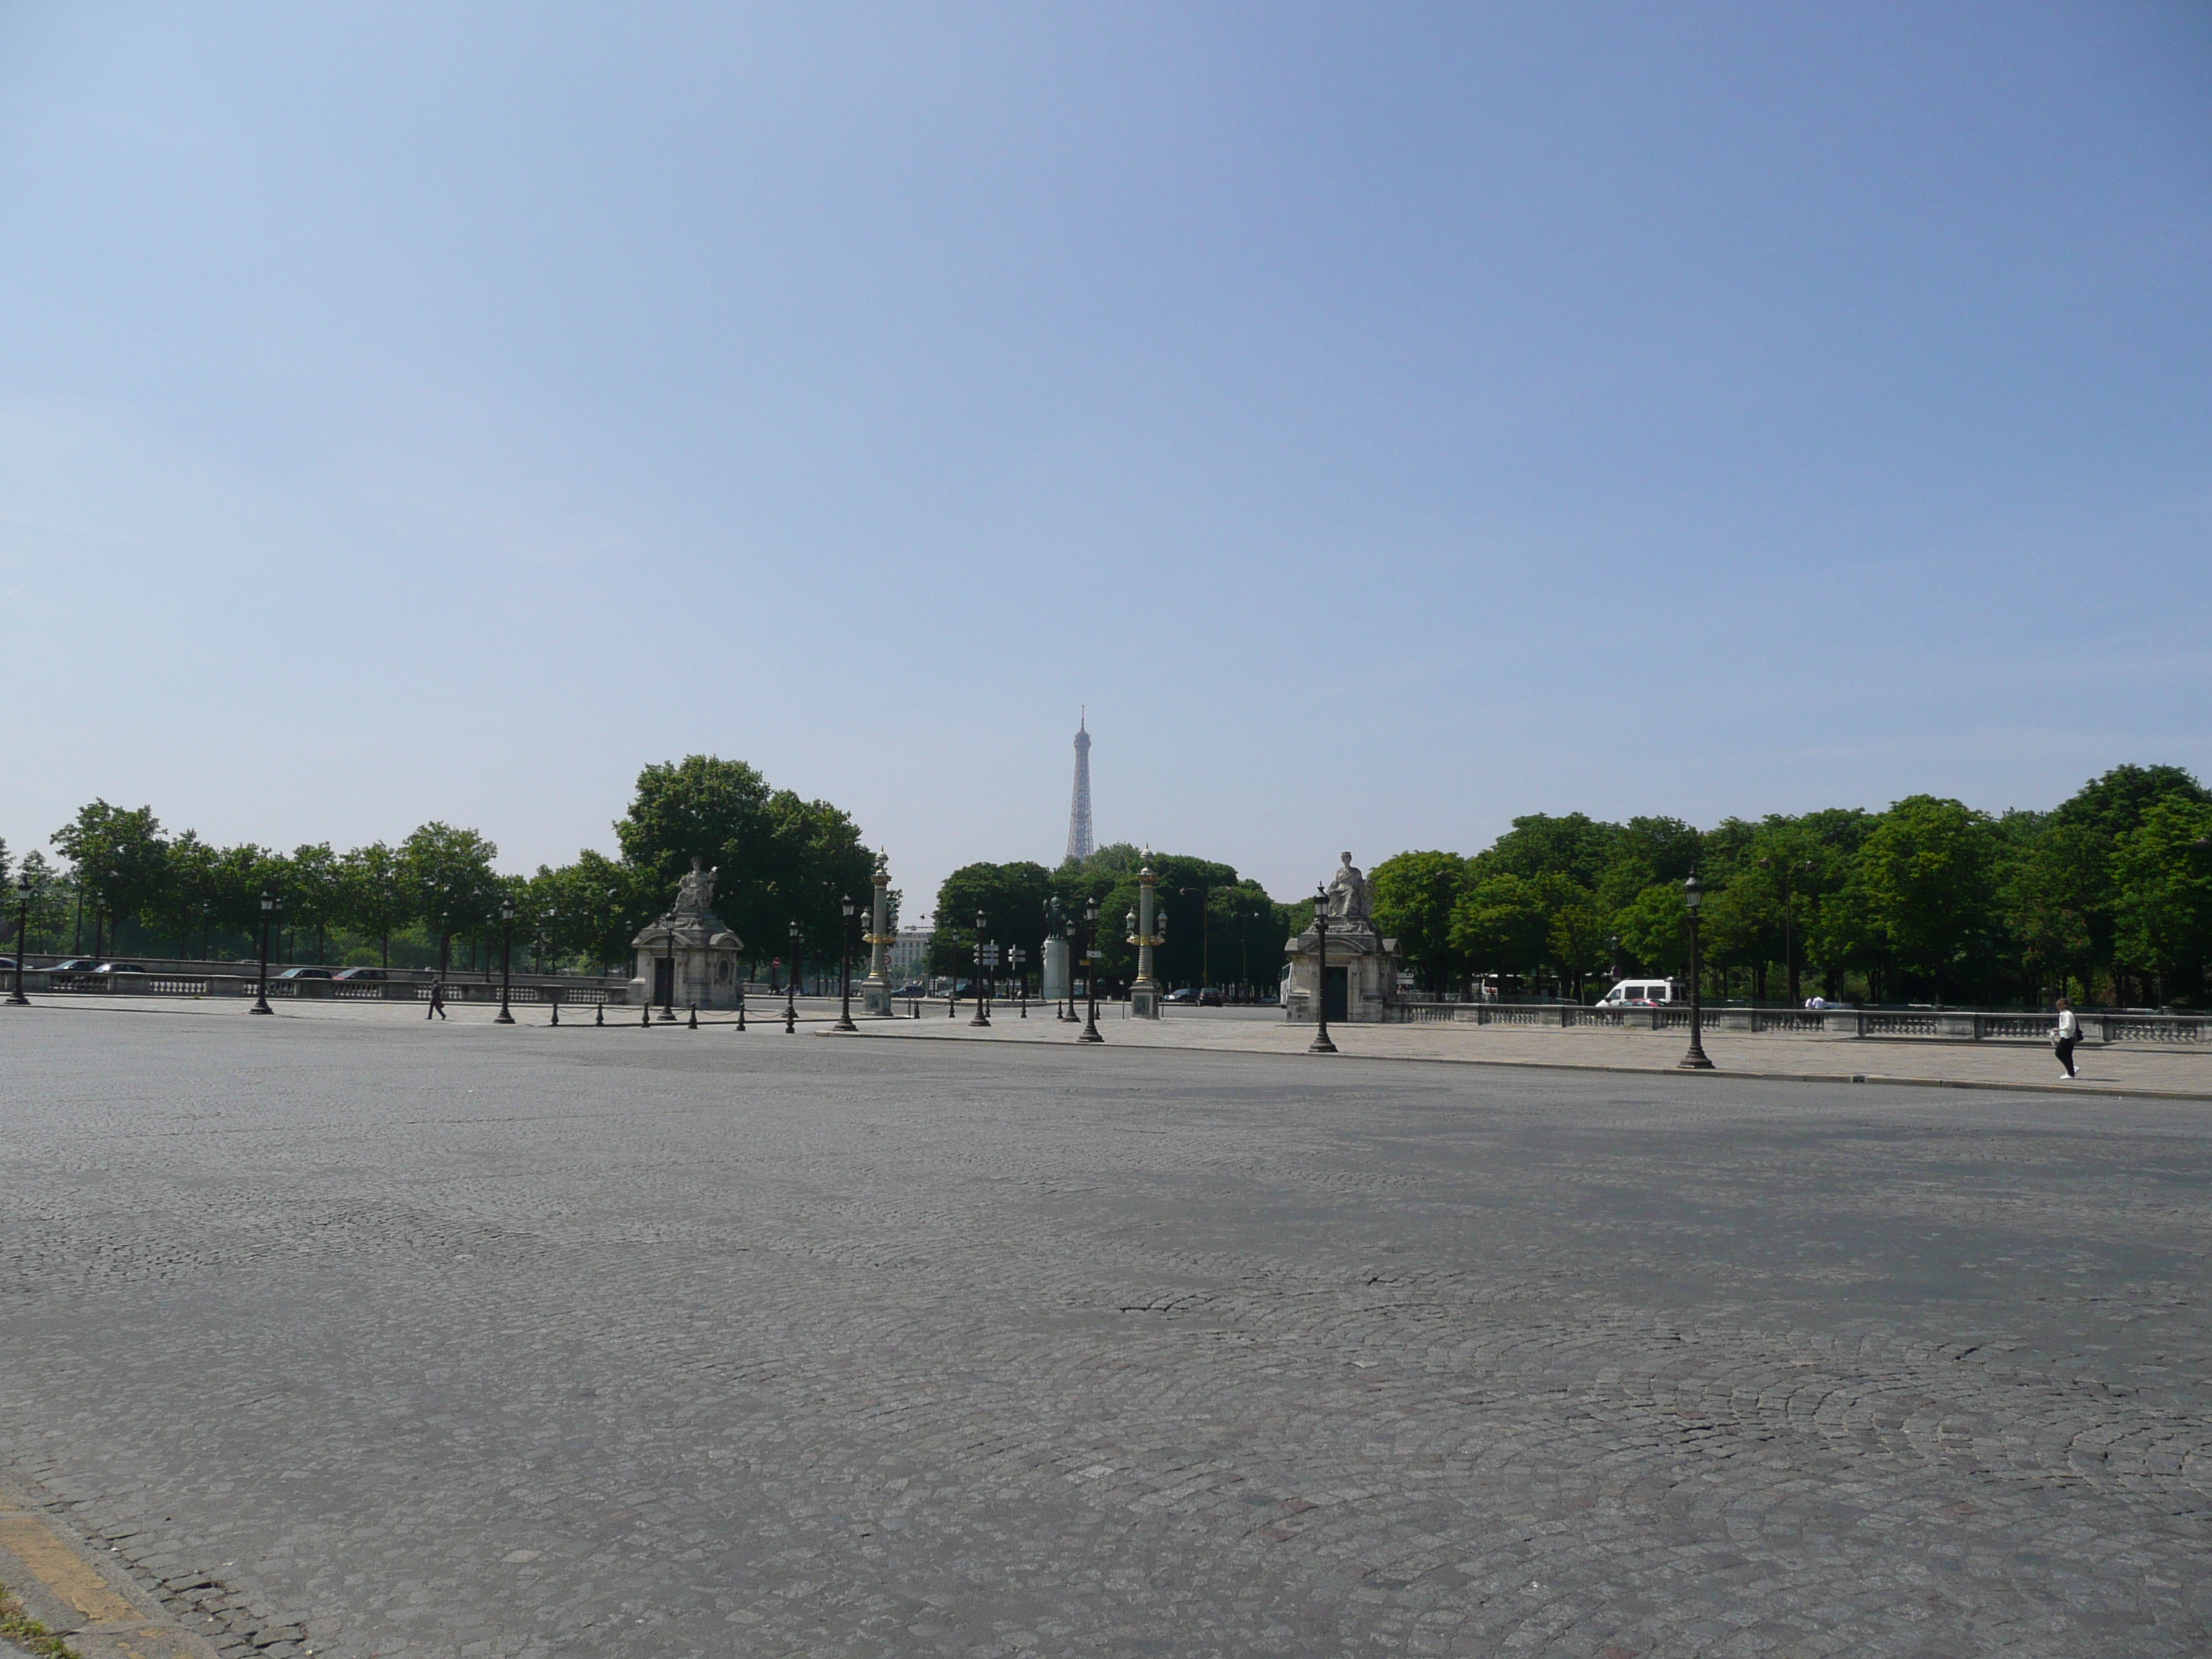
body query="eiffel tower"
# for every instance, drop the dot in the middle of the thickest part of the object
(1078, 814)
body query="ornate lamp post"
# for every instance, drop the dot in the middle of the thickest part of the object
(269, 903)
(22, 940)
(1057, 925)
(982, 1002)
(506, 1014)
(876, 989)
(1147, 928)
(791, 982)
(542, 949)
(1321, 1044)
(1091, 955)
(845, 906)
(1693, 895)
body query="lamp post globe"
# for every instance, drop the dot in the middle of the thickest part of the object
(506, 1014)
(845, 907)
(1693, 896)
(261, 987)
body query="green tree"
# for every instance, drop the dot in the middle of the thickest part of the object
(371, 895)
(1927, 876)
(119, 857)
(1415, 894)
(49, 904)
(314, 894)
(186, 902)
(447, 876)
(2163, 872)
(598, 906)
(1500, 925)
(1655, 928)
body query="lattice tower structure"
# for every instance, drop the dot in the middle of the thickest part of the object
(1079, 813)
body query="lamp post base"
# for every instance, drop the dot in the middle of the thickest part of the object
(1695, 1060)
(260, 1008)
(1321, 1045)
(503, 1017)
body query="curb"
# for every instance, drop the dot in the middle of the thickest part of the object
(82, 1596)
(2098, 1091)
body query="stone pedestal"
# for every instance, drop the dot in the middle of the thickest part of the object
(688, 958)
(1361, 965)
(1362, 962)
(1055, 970)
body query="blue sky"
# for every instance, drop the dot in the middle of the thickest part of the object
(1386, 419)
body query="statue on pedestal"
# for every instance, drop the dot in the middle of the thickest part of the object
(688, 957)
(1357, 979)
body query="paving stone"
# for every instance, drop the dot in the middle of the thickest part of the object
(365, 1338)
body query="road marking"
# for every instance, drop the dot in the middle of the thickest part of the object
(62, 1570)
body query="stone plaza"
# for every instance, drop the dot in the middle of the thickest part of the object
(352, 1333)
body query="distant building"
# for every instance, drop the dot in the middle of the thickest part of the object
(909, 955)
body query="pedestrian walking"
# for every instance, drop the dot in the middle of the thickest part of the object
(2068, 1034)
(437, 997)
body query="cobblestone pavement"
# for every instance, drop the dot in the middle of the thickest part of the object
(370, 1337)
(2181, 1069)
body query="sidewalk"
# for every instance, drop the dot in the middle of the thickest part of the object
(2179, 1074)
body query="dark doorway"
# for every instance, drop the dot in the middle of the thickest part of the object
(1336, 993)
(664, 980)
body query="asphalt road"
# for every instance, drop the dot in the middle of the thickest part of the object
(457, 1340)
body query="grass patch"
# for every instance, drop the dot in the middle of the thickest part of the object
(27, 1633)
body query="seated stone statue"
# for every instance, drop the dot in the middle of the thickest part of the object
(1348, 897)
(696, 894)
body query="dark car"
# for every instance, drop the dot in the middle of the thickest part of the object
(306, 973)
(122, 968)
(75, 965)
(1186, 995)
(912, 988)
(359, 973)
(1209, 998)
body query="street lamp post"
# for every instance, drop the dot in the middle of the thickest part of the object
(1091, 955)
(1015, 957)
(1321, 1044)
(791, 983)
(1147, 925)
(1693, 895)
(22, 940)
(543, 949)
(261, 987)
(845, 968)
(506, 1014)
(982, 953)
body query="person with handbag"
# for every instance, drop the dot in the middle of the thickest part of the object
(2068, 1034)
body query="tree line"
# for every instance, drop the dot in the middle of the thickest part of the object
(2107, 897)
(124, 885)
(1221, 928)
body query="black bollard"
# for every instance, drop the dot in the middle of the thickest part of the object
(693, 1021)
(645, 1016)
(600, 1014)
(741, 1014)
(790, 1019)
(556, 1010)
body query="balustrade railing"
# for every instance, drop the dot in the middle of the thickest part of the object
(1941, 1025)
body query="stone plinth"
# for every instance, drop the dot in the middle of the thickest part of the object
(1360, 959)
(1055, 970)
(688, 958)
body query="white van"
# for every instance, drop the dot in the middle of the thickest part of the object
(1643, 993)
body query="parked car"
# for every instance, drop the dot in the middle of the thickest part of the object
(1209, 998)
(1186, 995)
(359, 974)
(912, 988)
(306, 973)
(75, 965)
(122, 968)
